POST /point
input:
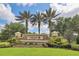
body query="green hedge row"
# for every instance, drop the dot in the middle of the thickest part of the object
(5, 44)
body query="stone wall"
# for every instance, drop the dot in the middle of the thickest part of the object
(34, 37)
(21, 36)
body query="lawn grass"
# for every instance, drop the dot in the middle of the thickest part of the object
(37, 52)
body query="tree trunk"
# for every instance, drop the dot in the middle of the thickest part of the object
(50, 28)
(26, 30)
(39, 27)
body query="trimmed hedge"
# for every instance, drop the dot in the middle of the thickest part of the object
(5, 44)
(12, 40)
(58, 42)
(77, 40)
(75, 47)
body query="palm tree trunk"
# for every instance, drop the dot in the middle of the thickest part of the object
(26, 30)
(39, 27)
(50, 28)
(50, 32)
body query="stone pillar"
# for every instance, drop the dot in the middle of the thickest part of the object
(18, 35)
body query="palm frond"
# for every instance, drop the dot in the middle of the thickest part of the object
(50, 11)
(53, 13)
(45, 15)
(57, 15)
(18, 18)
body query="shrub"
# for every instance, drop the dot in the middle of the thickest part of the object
(58, 41)
(4, 44)
(75, 47)
(12, 40)
(77, 40)
(19, 42)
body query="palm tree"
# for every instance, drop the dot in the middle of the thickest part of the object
(37, 19)
(49, 15)
(24, 16)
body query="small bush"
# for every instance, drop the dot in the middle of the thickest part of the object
(75, 47)
(4, 44)
(66, 46)
(12, 40)
(58, 41)
(77, 40)
(19, 42)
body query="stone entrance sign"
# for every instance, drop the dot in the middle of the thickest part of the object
(18, 35)
(34, 38)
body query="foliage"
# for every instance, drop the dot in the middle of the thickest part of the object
(12, 40)
(4, 35)
(58, 41)
(37, 19)
(67, 26)
(24, 16)
(69, 36)
(63, 24)
(77, 40)
(15, 27)
(10, 30)
(75, 23)
(48, 16)
(4, 44)
(75, 47)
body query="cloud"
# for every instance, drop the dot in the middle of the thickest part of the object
(1, 27)
(25, 4)
(44, 28)
(71, 13)
(65, 7)
(6, 13)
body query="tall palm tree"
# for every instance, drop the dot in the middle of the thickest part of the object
(24, 16)
(37, 19)
(49, 15)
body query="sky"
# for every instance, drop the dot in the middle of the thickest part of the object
(9, 11)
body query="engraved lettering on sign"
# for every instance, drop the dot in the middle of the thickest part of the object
(34, 37)
(41, 37)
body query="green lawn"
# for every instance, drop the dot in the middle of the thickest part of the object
(37, 52)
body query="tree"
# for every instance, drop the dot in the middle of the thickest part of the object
(75, 23)
(60, 25)
(63, 24)
(65, 27)
(24, 16)
(37, 19)
(10, 30)
(49, 15)
(69, 36)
